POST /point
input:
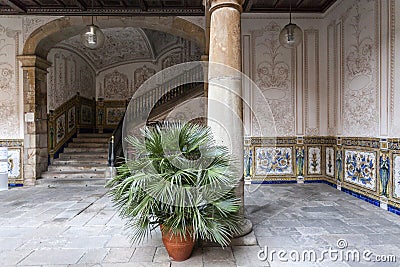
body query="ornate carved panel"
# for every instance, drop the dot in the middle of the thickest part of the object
(172, 59)
(141, 75)
(116, 85)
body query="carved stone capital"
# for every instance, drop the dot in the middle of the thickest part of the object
(216, 4)
(33, 61)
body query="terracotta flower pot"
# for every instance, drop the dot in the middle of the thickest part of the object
(178, 247)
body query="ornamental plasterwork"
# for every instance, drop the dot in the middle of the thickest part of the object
(122, 44)
(31, 23)
(141, 75)
(9, 124)
(171, 59)
(160, 40)
(360, 83)
(68, 75)
(116, 85)
(272, 72)
(87, 78)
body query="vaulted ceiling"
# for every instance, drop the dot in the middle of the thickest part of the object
(149, 7)
(124, 45)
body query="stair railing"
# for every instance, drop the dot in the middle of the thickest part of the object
(115, 150)
(143, 104)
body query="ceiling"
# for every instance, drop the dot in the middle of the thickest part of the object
(126, 44)
(149, 7)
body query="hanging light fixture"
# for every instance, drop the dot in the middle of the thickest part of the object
(92, 37)
(291, 35)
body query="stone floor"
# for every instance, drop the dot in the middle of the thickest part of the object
(77, 226)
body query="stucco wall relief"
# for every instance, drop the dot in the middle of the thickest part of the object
(361, 66)
(273, 70)
(9, 80)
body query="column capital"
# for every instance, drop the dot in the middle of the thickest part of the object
(216, 4)
(34, 61)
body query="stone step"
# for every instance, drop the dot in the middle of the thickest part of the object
(86, 155)
(73, 174)
(69, 168)
(94, 135)
(80, 162)
(91, 140)
(89, 145)
(54, 182)
(85, 149)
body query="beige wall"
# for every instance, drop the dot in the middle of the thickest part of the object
(339, 82)
(68, 75)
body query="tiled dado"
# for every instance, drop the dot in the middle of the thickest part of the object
(15, 160)
(368, 168)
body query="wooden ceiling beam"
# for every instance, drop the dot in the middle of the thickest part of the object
(143, 6)
(299, 2)
(17, 6)
(248, 4)
(81, 5)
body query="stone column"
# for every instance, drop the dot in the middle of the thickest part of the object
(35, 111)
(225, 108)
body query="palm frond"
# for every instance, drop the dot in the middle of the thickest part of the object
(179, 178)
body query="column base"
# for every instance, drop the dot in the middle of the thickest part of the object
(246, 228)
(110, 173)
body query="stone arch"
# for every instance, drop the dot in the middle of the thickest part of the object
(44, 38)
(34, 64)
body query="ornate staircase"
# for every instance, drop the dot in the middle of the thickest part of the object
(83, 162)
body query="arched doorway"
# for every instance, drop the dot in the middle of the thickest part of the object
(35, 66)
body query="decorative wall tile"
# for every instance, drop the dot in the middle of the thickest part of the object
(339, 165)
(60, 128)
(248, 163)
(360, 168)
(314, 160)
(384, 173)
(71, 119)
(14, 163)
(330, 161)
(396, 176)
(86, 114)
(300, 161)
(273, 161)
(114, 115)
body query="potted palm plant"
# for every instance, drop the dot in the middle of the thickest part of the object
(181, 181)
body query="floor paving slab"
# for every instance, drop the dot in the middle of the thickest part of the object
(78, 226)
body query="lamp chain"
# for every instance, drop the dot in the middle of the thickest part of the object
(92, 12)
